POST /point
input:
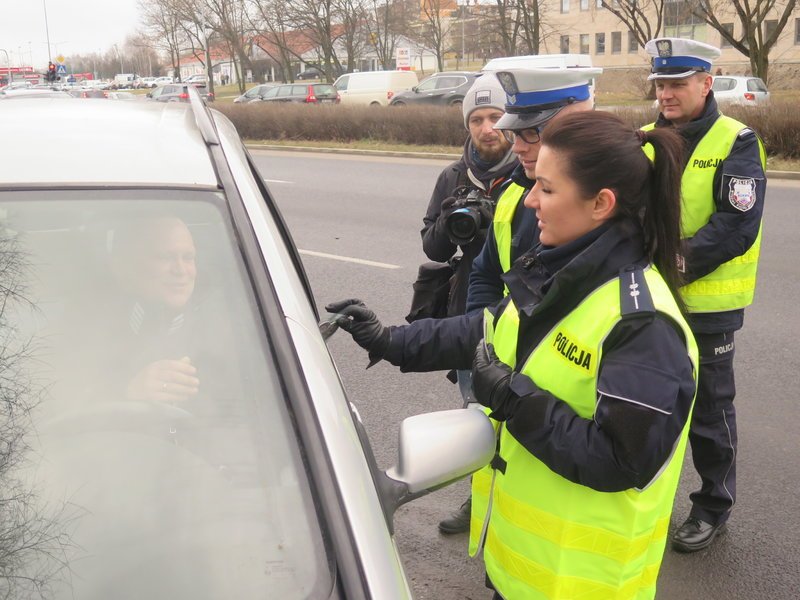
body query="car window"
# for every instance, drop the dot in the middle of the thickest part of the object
(723, 84)
(253, 92)
(427, 85)
(341, 83)
(324, 89)
(158, 447)
(270, 92)
(449, 82)
(284, 90)
(299, 90)
(756, 85)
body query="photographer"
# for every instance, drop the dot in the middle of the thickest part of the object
(485, 165)
(461, 209)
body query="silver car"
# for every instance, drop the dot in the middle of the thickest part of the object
(173, 424)
(736, 89)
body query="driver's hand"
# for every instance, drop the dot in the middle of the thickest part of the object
(165, 381)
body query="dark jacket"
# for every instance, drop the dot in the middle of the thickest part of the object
(435, 242)
(485, 283)
(645, 383)
(730, 231)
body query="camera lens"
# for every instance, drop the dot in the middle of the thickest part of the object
(462, 225)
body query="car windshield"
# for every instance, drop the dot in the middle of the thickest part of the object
(322, 89)
(148, 451)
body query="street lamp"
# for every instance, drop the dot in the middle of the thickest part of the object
(8, 62)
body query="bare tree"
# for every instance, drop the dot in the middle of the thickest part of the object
(386, 21)
(34, 546)
(529, 14)
(271, 21)
(754, 41)
(435, 23)
(315, 18)
(163, 25)
(507, 25)
(351, 14)
(643, 18)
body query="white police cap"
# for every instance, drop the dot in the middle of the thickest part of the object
(676, 58)
(534, 96)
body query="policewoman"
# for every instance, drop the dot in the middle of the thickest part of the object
(723, 189)
(588, 366)
(533, 98)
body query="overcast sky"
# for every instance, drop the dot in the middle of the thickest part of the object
(76, 26)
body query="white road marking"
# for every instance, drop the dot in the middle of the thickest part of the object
(360, 261)
(277, 181)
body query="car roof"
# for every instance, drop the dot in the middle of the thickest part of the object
(95, 142)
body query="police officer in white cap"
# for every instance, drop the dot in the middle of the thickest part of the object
(723, 199)
(484, 167)
(534, 97)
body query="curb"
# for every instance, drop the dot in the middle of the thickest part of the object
(357, 151)
(788, 175)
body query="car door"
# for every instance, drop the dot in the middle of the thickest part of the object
(447, 89)
(425, 92)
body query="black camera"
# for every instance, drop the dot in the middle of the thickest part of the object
(471, 212)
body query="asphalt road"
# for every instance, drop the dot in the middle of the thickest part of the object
(344, 209)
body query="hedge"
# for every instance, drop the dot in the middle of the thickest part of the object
(778, 124)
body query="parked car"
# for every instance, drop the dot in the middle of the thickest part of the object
(262, 484)
(196, 78)
(308, 93)
(374, 88)
(254, 93)
(88, 93)
(121, 96)
(734, 89)
(310, 73)
(178, 92)
(163, 80)
(147, 82)
(441, 89)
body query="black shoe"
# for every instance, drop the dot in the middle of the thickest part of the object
(458, 522)
(695, 535)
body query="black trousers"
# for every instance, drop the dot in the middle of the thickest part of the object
(712, 433)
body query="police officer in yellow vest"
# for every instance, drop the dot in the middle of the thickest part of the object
(588, 366)
(723, 191)
(541, 95)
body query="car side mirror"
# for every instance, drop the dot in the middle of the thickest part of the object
(415, 90)
(435, 450)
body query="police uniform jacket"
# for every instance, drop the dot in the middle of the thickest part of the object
(730, 231)
(485, 283)
(645, 383)
(435, 242)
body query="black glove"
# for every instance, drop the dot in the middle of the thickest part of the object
(491, 379)
(363, 325)
(445, 211)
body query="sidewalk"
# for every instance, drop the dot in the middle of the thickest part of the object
(787, 175)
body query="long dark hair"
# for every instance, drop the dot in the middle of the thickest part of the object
(602, 151)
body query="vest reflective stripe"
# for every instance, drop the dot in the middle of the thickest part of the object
(731, 285)
(548, 537)
(502, 220)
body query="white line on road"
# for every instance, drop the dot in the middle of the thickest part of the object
(277, 181)
(360, 261)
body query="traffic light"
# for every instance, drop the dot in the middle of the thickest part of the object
(51, 72)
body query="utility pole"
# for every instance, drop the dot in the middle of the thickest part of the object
(47, 31)
(8, 62)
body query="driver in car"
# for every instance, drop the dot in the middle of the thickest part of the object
(145, 338)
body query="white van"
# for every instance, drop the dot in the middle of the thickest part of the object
(374, 88)
(539, 61)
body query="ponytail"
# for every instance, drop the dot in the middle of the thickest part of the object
(661, 216)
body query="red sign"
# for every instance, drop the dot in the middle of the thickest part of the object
(16, 69)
